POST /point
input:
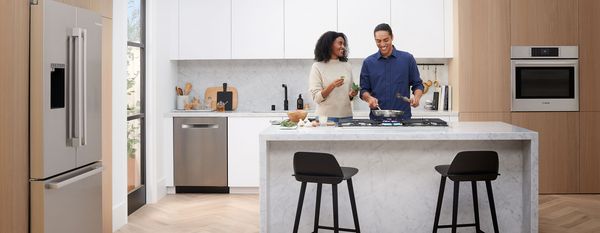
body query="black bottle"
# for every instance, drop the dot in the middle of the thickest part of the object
(300, 102)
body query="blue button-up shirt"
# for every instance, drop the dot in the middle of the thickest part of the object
(384, 78)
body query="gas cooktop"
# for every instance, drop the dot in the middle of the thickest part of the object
(392, 123)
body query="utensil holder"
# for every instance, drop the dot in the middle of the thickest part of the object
(181, 100)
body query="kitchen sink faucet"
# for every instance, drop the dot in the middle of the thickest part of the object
(285, 101)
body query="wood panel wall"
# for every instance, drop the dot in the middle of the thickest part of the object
(483, 45)
(559, 148)
(589, 84)
(484, 116)
(589, 55)
(544, 22)
(14, 116)
(107, 124)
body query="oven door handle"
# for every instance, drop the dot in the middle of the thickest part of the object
(545, 63)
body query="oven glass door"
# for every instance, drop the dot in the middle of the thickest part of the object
(546, 82)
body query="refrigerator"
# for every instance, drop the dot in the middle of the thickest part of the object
(65, 119)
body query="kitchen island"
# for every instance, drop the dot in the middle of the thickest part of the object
(396, 188)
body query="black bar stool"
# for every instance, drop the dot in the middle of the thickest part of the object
(468, 166)
(322, 168)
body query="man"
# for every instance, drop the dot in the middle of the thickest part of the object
(386, 76)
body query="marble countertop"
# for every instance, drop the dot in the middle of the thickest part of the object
(455, 131)
(184, 113)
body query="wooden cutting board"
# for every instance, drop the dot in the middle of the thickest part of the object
(212, 93)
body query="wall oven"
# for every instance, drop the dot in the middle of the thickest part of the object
(544, 78)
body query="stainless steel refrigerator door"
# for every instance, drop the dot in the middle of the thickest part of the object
(71, 202)
(200, 151)
(50, 100)
(65, 88)
(90, 90)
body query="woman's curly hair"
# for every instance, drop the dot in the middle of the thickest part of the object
(325, 43)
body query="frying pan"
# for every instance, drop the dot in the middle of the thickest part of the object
(387, 113)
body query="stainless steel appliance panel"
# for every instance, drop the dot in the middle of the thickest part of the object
(51, 152)
(544, 78)
(90, 88)
(200, 151)
(65, 110)
(71, 202)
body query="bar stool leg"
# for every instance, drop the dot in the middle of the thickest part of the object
(318, 207)
(455, 205)
(436, 221)
(299, 209)
(475, 206)
(336, 227)
(488, 185)
(353, 204)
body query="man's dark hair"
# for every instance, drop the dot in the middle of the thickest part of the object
(383, 27)
(325, 43)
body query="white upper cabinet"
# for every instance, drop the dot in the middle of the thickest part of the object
(419, 27)
(357, 19)
(305, 22)
(277, 29)
(204, 29)
(257, 29)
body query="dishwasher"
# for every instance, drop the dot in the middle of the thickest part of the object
(200, 154)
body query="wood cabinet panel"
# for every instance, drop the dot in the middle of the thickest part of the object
(14, 116)
(104, 7)
(485, 116)
(107, 125)
(483, 55)
(589, 55)
(558, 148)
(543, 22)
(589, 154)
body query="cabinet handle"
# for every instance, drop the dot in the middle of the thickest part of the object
(199, 126)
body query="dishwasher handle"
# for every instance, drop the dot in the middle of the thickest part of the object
(199, 126)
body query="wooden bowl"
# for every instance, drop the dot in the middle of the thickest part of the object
(297, 115)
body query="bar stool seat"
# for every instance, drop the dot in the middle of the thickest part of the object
(323, 168)
(470, 166)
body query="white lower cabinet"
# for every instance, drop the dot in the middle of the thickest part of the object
(243, 152)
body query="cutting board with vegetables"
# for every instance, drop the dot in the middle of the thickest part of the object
(212, 93)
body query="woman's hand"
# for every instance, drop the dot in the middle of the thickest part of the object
(353, 93)
(337, 83)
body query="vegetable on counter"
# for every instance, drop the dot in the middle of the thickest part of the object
(288, 123)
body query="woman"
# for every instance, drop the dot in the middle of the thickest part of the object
(330, 80)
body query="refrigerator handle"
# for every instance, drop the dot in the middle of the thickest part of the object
(63, 183)
(76, 141)
(84, 86)
(70, 90)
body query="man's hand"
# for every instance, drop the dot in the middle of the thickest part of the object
(373, 102)
(414, 102)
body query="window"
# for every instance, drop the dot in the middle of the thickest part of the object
(136, 120)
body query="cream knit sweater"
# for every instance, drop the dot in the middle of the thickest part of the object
(338, 103)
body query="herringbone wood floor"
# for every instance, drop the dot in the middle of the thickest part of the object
(197, 213)
(221, 213)
(569, 213)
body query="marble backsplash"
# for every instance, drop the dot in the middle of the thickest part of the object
(259, 81)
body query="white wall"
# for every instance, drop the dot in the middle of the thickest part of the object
(161, 77)
(119, 118)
